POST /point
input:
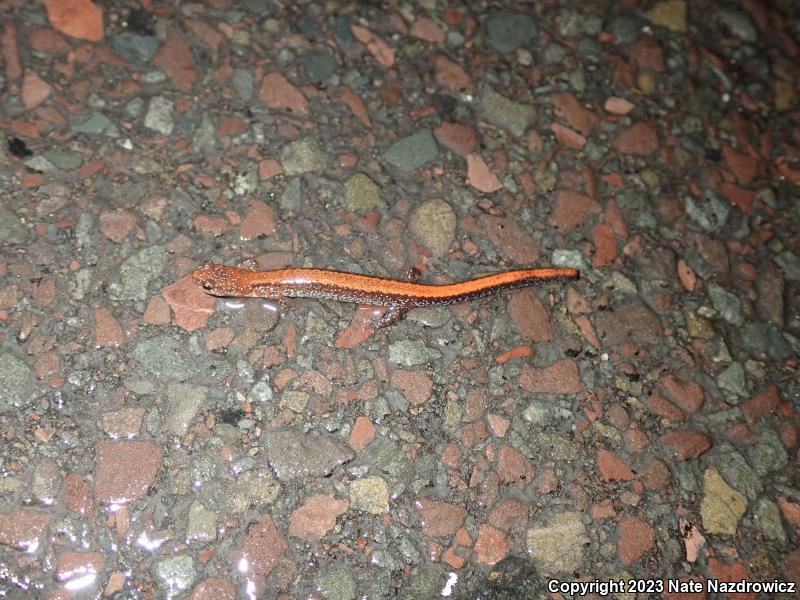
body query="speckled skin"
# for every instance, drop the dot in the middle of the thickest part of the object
(222, 280)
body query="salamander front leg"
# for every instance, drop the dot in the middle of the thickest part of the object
(411, 274)
(249, 264)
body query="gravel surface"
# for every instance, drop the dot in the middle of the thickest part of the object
(637, 428)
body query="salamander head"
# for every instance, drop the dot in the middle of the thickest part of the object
(218, 280)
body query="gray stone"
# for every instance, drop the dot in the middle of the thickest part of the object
(790, 263)
(154, 77)
(176, 573)
(63, 159)
(294, 454)
(411, 353)
(429, 316)
(165, 358)
(294, 400)
(738, 23)
(693, 144)
(507, 31)
(12, 230)
(734, 468)
(427, 581)
(302, 156)
(256, 488)
(699, 327)
(546, 544)
(205, 138)
(256, 6)
(307, 25)
(385, 457)
(17, 383)
(411, 152)
(342, 29)
(319, 65)
(512, 578)
(515, 117)
(10, 486)
(79, 284)
(52, 198)
(136, 273)
(159, 115)
(260, 392)
(184, 402)
(686, 478)
(698, 263)
(133, 108)
(138, 49)
(451, 417)
(710, 212)
(538, 413)
(202, 526)
(765, 338)
(570, 23)
(769, 455)
(292, 197)
(242, 81)
(46, 483)
(245, 183)
(434, 225)
(39, 164)
(591, 25)
(362, 194)
(204, 467)
(732, 381)
(86, 232)
(626, 29)
(336, 582)
(721, 506)
(569, 258)
(370, 494)
(95, 123)
(139, 386)
(555, 54)
(727, 304)
(768, 518)
(621, 284)
(555, 446)
(770, 289)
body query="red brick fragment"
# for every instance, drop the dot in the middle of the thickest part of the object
(686, 394)
(438, 518)
(81, 19)
(316, 517)
(561, 377)
(687, 443)
(635, 538)
(761, 404)
(640, 139)
(492, 545)
(612, 467)
(278, 92)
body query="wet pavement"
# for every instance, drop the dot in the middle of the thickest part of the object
(637, 428)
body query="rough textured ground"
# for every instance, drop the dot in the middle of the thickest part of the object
(641, 423)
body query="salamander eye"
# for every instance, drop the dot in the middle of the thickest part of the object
(207, 286)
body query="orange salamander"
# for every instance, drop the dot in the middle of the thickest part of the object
(399, 296)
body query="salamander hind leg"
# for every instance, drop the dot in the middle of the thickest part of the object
(394, 313)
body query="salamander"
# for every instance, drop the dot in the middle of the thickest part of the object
(399, 296)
